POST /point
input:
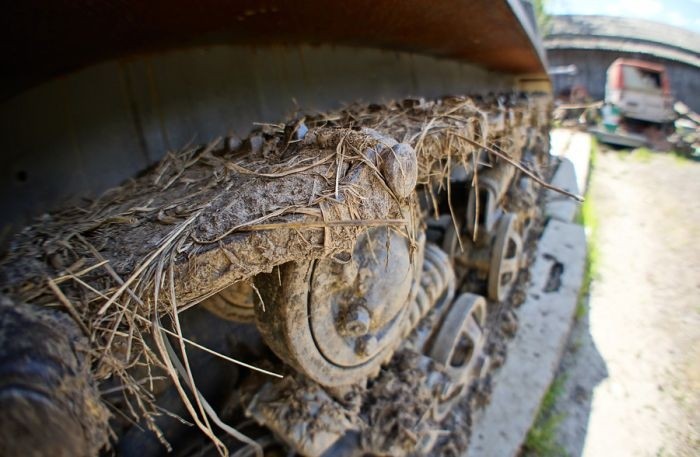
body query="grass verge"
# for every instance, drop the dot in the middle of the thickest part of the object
(646, 155)
(587, 217)
(684, 159)
(541, 440)
(642, 154)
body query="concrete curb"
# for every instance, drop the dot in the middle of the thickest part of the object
(575, 146)
(558, 206)
(546, 318)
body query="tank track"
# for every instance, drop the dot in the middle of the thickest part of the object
(370, 247)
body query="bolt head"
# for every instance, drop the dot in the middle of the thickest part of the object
(357, 321)
(400, 169)
(366, 346)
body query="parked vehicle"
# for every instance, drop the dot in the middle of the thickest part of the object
(641, 90)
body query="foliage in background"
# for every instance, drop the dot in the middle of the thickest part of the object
(541, 16)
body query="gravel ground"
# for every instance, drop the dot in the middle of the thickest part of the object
(632, 367)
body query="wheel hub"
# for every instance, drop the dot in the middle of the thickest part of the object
(356, 314)
(336, 322)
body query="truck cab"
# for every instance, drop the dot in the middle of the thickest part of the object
(641, 90)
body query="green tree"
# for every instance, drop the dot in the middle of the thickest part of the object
(541, 16)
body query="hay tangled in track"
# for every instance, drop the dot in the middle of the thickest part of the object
(125, 265)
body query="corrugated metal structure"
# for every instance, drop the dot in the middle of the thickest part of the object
(592, 43)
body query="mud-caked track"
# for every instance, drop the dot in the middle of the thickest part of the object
(363, 246)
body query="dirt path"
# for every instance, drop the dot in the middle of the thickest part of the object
(632, 368)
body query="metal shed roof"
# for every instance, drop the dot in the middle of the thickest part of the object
(623, 34)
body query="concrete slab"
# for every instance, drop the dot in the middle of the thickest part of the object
(575, 146)
(546, 318)
(560, 206)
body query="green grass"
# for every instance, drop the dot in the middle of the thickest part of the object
(682, 159)
(642, 155)
(593, 159)
(588, 218)
(581, 306)
(541, 439)
(646, 155)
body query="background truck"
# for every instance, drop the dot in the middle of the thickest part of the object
(640, 90)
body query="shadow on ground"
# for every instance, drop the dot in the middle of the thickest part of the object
(583, 368)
